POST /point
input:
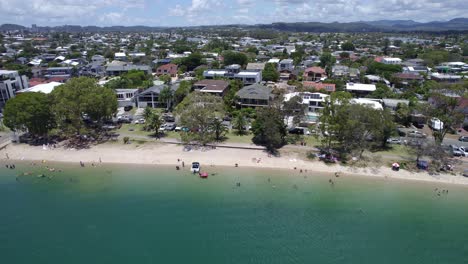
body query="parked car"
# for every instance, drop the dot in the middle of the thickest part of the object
(394, 141)
(416, 134)
(140, 121)
(170, 127)
(124, 119)
(169, 118)
(463, 138)
(185, 129)
(128, 108)
(299, 131)
(459, 151)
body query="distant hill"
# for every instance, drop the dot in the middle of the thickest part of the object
(11, 27)
(456, 24)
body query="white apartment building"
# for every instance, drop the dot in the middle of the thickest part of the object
(393, 61)
(10, 83)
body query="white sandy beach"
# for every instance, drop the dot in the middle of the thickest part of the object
(169, 154)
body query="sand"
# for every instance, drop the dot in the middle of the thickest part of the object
(170, 154)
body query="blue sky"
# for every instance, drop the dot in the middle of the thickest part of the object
(212, 12)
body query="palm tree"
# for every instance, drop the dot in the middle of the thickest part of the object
(218, 128)
(165, 96)
(154, 123)
(239, 123)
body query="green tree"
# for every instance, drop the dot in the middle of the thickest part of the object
(198, 112)
(239, 122)
(166, 96)
(82, 99)
(231, 57)
(327, 60)
(294, 108)
(153, 123)
(182, 91)
(147, 113)
(165, 78)
(446, 107)
(29, 112)
(382, 91)
(270, 74)
(403, 114)
(269, 129)
(218, 128)
(192, 61)
(348, 46)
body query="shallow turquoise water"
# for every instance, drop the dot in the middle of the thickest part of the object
(135, 214)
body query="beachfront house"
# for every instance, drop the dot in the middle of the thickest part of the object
(150, 96)
(214, 87)
(255, 95)
(126, 97)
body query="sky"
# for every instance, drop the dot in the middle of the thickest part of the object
(216, 12)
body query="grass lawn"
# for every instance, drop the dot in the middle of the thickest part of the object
(233, 137)
(137, 130)
(397, 150)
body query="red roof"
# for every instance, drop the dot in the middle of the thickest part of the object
(167, 68)
(329, 87)
(314, 70)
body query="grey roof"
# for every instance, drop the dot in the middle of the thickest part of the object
(256, 66)
(158, 88)
(255, 91)
(128, 68)
(394, 102)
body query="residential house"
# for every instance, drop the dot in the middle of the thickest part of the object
(255, 95)
(115, 69)
(255, 66)
(392, 61)
(360, 89)
(10, 83)
(407, 78)
(286, 65)
(64, 72)
(126, 97)
(317, 86)
(215, 87)
(120, 56)
(314, 74)
(392, 104)
(446, 78)
(167, 69)
(150, 96)
(234, 72)
(314, 101)
(416, 69)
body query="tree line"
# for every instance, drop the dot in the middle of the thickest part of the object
(78, 107)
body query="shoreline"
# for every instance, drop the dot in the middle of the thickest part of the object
(173, 155)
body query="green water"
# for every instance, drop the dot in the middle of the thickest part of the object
(135, 214)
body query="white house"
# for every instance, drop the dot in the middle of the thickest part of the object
(120, 56)
(314, 101)
(360, 88)
(393, 61)
(234, 72)
(126, 97)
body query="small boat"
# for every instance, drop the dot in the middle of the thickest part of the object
(195, 167)
(203, 175)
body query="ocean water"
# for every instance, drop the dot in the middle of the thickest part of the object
(152, 214)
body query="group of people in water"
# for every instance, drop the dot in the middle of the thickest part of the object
(440, 192)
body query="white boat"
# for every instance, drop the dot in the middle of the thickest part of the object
(195, 167)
